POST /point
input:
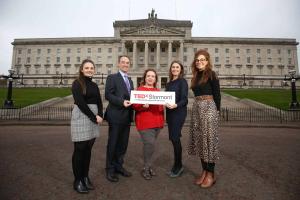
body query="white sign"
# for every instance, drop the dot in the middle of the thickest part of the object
(152, 97)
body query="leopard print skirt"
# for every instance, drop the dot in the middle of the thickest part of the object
(203, 133)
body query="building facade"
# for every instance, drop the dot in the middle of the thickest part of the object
(154, 43)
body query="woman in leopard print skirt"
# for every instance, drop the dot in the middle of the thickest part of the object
(203, 140)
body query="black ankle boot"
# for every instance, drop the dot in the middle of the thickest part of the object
(88, 183)
(80, 187)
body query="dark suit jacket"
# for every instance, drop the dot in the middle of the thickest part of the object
(116, 92)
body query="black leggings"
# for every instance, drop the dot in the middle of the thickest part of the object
(210, 167)
(81, 158)
(177, 153)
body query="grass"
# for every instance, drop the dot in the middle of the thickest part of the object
(279, 98)
(27, 96)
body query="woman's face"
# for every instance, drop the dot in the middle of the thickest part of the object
(175, 70)
(88, 69)
(201, 62)
(150, 78)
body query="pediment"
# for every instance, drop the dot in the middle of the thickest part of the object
(152, 30)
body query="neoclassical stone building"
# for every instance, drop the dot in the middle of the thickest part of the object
(154, 43)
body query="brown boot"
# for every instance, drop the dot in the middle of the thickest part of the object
(209, 181)
(200, 179)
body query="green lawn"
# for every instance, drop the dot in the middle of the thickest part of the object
(278, 98)
(26, 96)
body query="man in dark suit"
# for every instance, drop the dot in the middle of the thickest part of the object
(119, 115)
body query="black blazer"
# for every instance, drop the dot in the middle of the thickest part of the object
(116, 92)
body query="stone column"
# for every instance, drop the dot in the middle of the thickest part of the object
(123, 47)
(146, 53)
(169, 53)
(157, 54)
(181, 51)
(134, 64)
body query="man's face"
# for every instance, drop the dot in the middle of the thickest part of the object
(124, 64)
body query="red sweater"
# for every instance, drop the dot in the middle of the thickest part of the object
(146, 118)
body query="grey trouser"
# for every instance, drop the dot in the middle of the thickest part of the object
(148, 137)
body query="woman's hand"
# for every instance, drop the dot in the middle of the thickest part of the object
(99, 119)
(146, 106)
(171, 106)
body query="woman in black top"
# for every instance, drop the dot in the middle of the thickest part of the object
(176, 113)
(205, 117)
(86, 116)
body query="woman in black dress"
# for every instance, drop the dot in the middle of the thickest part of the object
(86, 116)
(176, 113)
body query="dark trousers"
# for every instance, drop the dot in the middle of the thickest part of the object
(118, 136)
(210, 167)
(81, 158)
(177, 154)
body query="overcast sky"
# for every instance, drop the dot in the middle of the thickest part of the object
(94, 18)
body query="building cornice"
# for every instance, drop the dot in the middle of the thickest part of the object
(252, 41)
(74, 40)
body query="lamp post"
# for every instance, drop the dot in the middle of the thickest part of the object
(244, 84)
(61, 79)
(102, 79)
(8, 103)
(294, 105)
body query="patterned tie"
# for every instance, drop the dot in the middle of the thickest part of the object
(127, 83)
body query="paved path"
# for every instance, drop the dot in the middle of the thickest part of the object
(256, 163)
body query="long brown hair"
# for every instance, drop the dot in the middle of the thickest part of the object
(181, 70)
(207, 72)
(143, 82)
(81, 76)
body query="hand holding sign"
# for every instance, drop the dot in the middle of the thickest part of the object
(152, 97)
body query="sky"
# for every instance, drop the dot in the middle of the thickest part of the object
(94, 18)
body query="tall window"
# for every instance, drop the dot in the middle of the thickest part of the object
(289, 61)
(226, 50)
(289, 51)
(78, 50)
(48, 60)
(28, 60)
(29, 51)
(237, 50)
(99, 50)
(39, 51)
(248, 51)
(278, 51)
(248, 59)
(89, 50)
(69, 50)
(57, 59)
(269, 51)
(19, 61)
(258, 51)
(19, 51)
(78, 59)
(48, 50)
(184, 49)
(68, 59)
(38, 60)
(58, 51)
(216, 50)
(216, 59)
(258, 59)
(109, 50)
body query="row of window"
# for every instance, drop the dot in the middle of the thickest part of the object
(89, 50)
(109, 59)
(68, 50)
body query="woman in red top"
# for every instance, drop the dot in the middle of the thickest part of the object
(149, 120)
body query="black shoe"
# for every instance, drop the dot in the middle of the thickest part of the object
(80, 187)
(88, 183)
(124, 172)
(176, 172)
(112, 177)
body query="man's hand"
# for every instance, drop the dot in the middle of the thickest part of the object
(126, 103)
